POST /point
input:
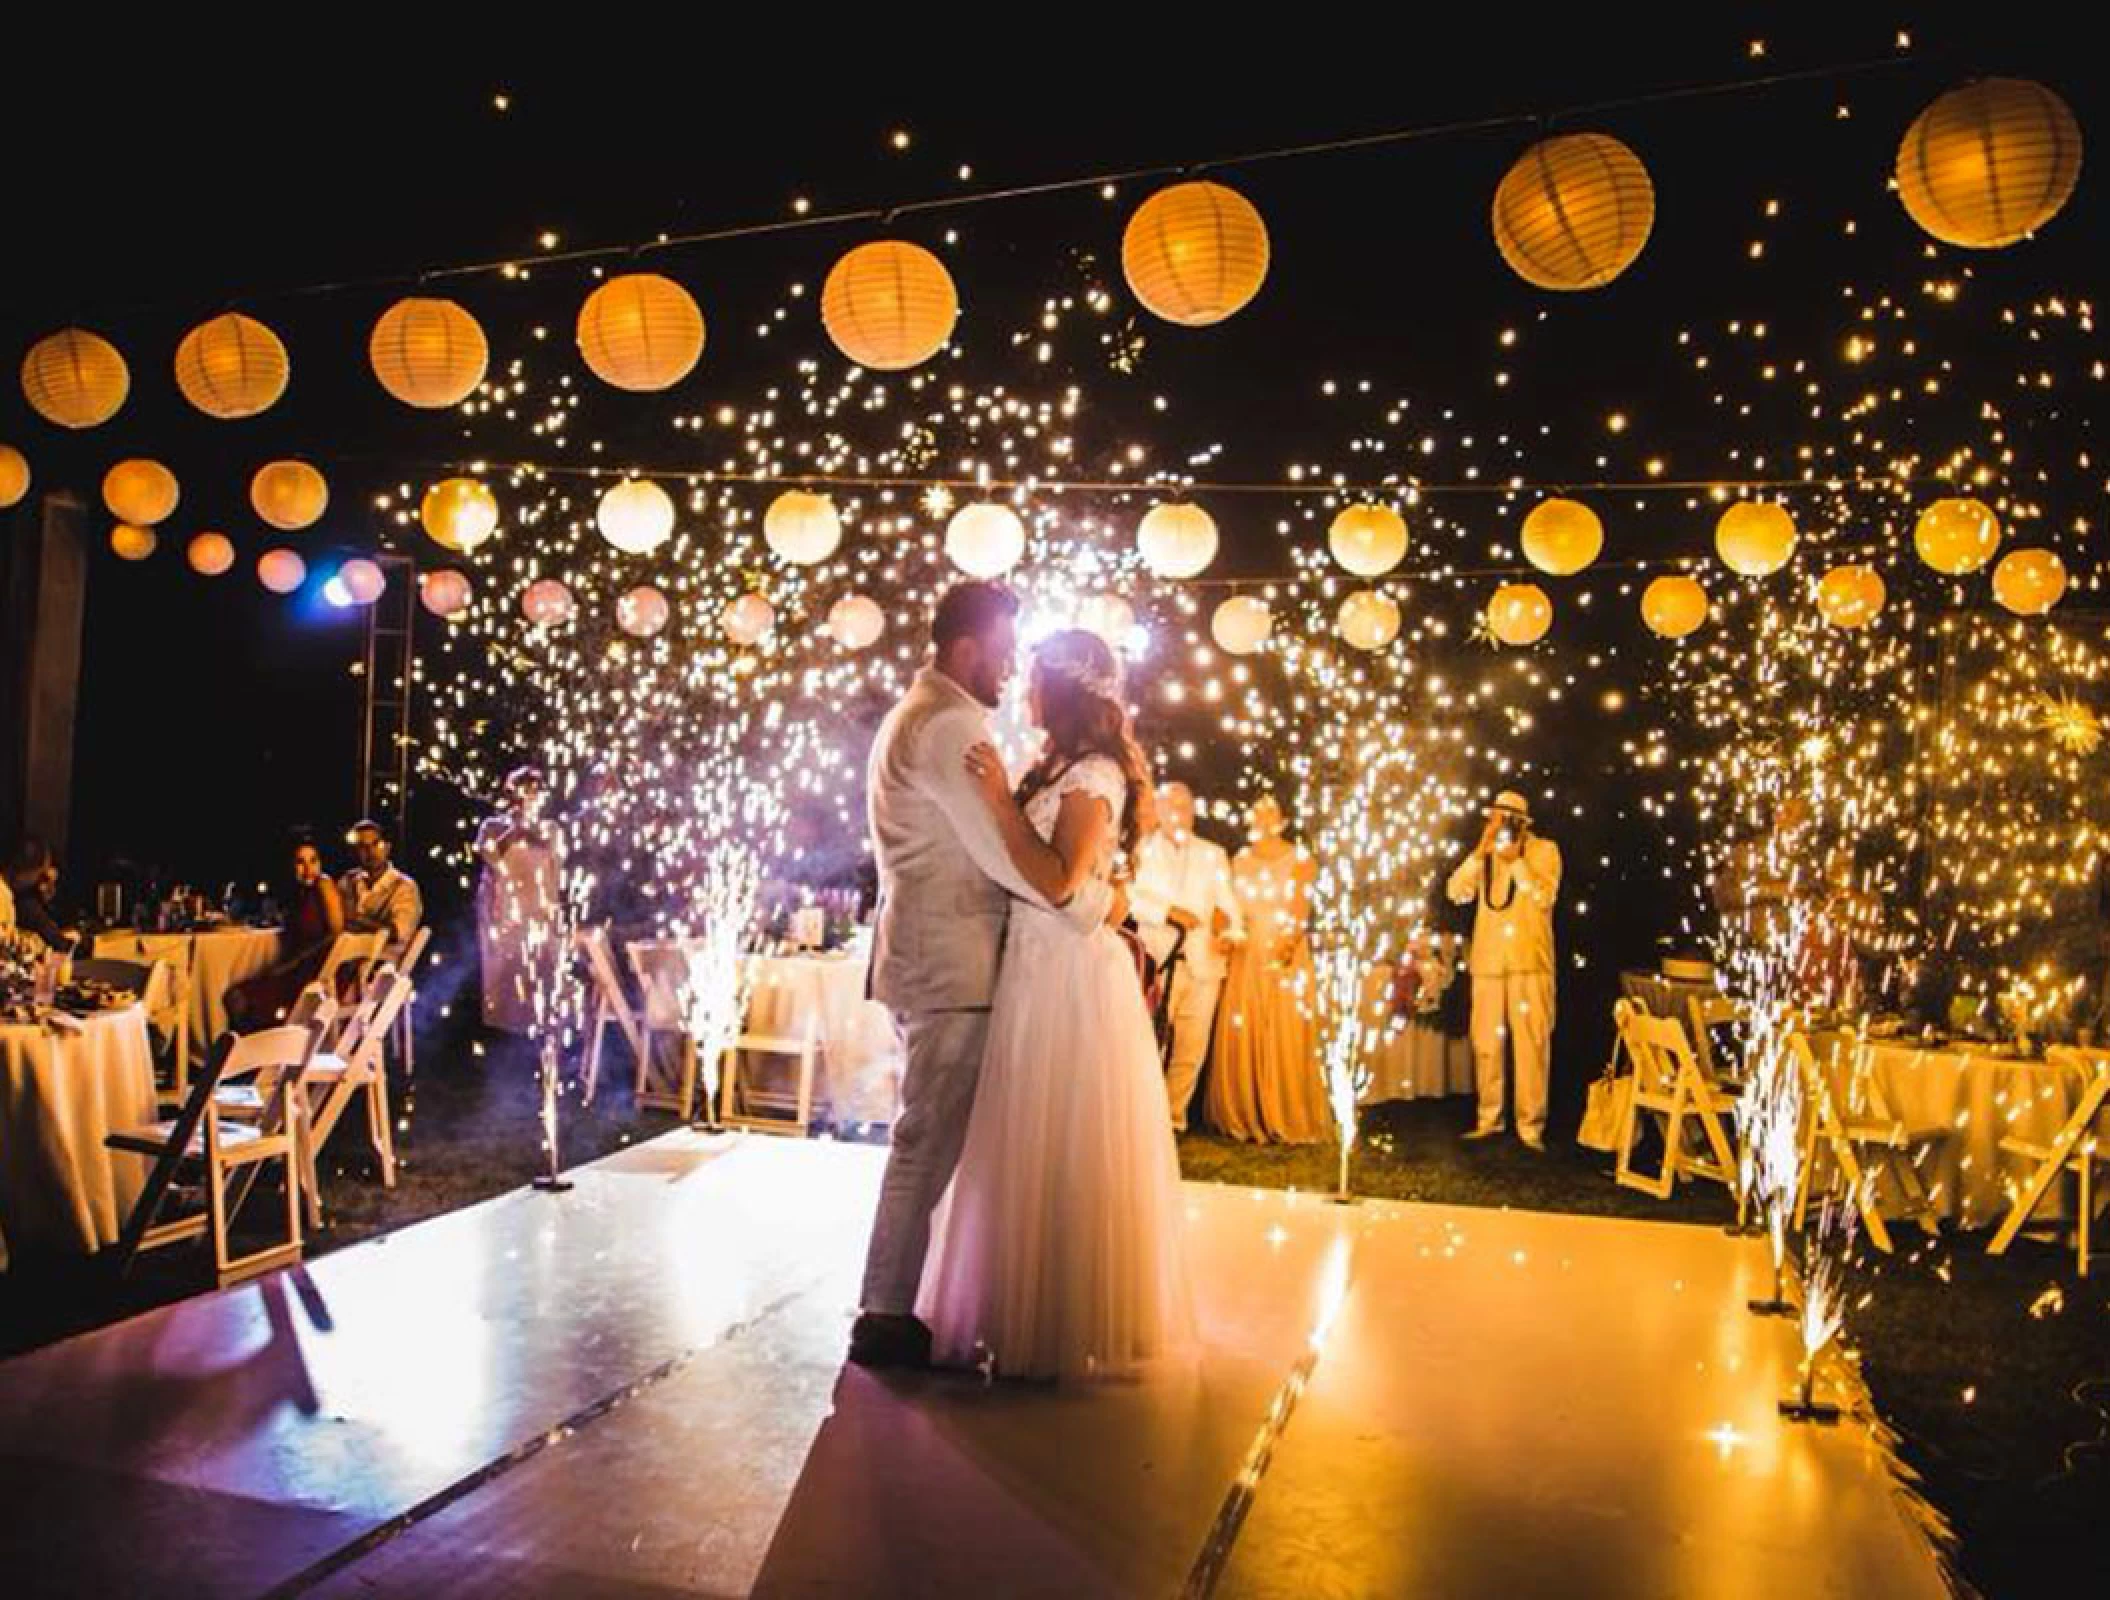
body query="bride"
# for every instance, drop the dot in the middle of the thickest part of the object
(1058, 1252)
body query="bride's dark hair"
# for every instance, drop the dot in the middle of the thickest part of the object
(1080, 705)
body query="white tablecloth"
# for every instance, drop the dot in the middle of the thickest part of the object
(212, 963)
(60, 1094)
(1416, 1060)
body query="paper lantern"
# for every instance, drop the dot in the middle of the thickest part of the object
(1107, 615)
(1368, 620)
(855, 621)
(14, 476)
(232, 366)
(1755, 538)
(210, 554)
(889, 305)
(1989, 163)
(459, 513)
(1195, 253)
(748, 618)
(1674, 606)
(444, 592)
(2029, 582)
(1562, 537)
(642, 612)
(1178, 540)
(1956, 536)
(75, 378)
(1241, 624)
(636, 516)
(1850, 596)
(281, 571)
(641, 332)
(132, 543)
(1368, 540)
(1519, 613)
(1574, 212)
(546, 602)
(140, 492)
(363, 580)
(985, 541)
(428, 353)
(802, 528)
(289, 495)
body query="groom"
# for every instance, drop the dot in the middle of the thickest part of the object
(945, 888)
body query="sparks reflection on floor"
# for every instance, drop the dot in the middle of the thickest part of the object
(1490, 1403)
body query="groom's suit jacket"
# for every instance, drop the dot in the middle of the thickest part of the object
(945, 880)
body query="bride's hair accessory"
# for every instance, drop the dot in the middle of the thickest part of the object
(1083, 659)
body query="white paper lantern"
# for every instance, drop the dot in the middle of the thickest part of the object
(985, 540)
(1755, 538)
(889, 305)
(1519, 614)
(546, 602)
(1242, 624)
(1195, 253)
(210, 554)
(14, 476)
(363, 581)
(445, 592)
(1368, 540)
(636, 516)
(289, 495)
(855, 621)
(428, 353)
(140, 492)
(281, 571)
(1368, 619)
(131, 543)
(231, 367)
(642, 612)
(459, 513)
(641, 332)
(75, 378)
(803, 529)
(1562, 537)
(1177, 540)
(748, 619)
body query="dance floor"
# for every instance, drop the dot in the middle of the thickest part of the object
(637, 1389)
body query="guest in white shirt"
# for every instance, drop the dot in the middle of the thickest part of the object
(1512, 876)
(1183, 881)
(379, 897)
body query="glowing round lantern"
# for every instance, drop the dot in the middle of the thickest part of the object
(1755, 538)
(444, 592)
(1195, 253)
(802, 528)
(1562, 537)
(428, 353)
(856, 622)
(1241, 624)
(642, 612)
(281, 571)
(1956, 536)
(748, 618)
(131, 543)
(641, 332)
(636, 516)
(210, 554)
(232, 366)
(1850, 596)
(1574, 212)
(889, 305)
(546, 602)
(459, 513)
(1989, 163)
(1519, 613)
(140, 492)
(14, 476)
(1674, 606)
(2029, 582)
(75, 378)
(1178, 540)
(1368, 540)
(363, 580)
(1368, 620)
(984, 540)
(289, 495)
(1107, 615)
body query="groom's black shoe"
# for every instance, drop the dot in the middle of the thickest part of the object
(880, 1340)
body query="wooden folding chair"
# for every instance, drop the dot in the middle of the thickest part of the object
(2078, 1147)
(1829, 1131)
(611, 1006)
(803, 1047)
(1669, 1084)
(222, 1152)
(355, 1065)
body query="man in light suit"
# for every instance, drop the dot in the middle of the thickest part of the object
(1183, 881)
(379, 896)
(945, 888)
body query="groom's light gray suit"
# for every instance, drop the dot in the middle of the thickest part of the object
(945, 889)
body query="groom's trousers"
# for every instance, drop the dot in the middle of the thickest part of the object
(1514, 1010)
(937, 1094)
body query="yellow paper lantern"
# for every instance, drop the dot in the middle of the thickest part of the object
(636, 516)
(1109, 616)
(1519, 613)
(445, 592)
(363, 581)
(803, 529)
(14, 476)
(428, 353)
(289, 495)
(1989, 163)
(210, 554)
(984, 540)
(131, 543)
(232, 366)
(1562, 537)
(75, 378)
(546, 602)
(642, 612)
(1674, 606)
(140, 492)
(1195, 253)
(748, 619)
(855, 622)
(1574, 212)
(1755, 538)
(281, 571)
(1368, 620)
(1368, 540)
(1242, 624)
(1177, 540)
(1956, 536)
(889, 305)
(641, 332)
(2029, 582)
(1850, 596)
(459, 513)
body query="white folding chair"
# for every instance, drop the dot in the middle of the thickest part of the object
(611, 1006)
(660, 979)
(1830, 1131)
(734, 1096)
(2079, 1146)
(1669, 1084)
(1707, 1012)
(406, 1028)
(355, 1065)
(357, 952)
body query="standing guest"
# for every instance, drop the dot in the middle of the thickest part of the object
(379, 897)
(1511, 878)
(1183, 884)
(312, 926)
(1266, 1085)
(33, 876)
(517, 901)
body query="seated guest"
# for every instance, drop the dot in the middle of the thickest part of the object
(304, 944)
(33, 878)
(379, 897)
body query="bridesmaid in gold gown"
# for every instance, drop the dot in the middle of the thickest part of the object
(1265, 1085)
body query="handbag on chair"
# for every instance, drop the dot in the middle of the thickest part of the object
(1606, 1111)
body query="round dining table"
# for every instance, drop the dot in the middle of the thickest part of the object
(208, 963)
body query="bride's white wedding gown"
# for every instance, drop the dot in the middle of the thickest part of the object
(1060, 1251)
